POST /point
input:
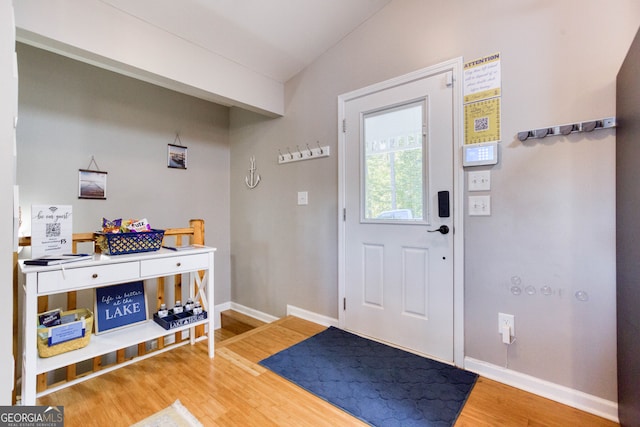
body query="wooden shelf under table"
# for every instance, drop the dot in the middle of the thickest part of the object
(109, 342)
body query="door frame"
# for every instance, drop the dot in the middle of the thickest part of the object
(455, 66)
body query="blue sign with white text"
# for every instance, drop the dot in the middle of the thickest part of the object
(120, 305)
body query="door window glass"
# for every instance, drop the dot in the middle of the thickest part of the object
(393, 164)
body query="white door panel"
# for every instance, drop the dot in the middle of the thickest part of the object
(399, 276)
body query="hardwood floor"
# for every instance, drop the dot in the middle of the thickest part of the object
(233, 390)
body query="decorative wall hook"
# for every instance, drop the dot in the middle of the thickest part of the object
(253, 179)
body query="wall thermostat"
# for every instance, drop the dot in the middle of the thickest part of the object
(480, 154)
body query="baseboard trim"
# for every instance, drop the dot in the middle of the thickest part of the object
(264, 317)
(267, 318)
(311, 316)
(565, 395)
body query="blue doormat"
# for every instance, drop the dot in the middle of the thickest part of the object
(381, 385)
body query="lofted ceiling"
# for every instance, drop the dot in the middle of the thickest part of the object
(274, 38)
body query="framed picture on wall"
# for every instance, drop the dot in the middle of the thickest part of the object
(92, 184)
(176, 156)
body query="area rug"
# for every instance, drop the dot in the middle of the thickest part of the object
(381, 385)
(175, 415)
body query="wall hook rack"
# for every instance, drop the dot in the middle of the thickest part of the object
(588, 126)
(308, 153)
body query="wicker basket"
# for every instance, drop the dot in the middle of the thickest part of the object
(130, 243)
(44, 350)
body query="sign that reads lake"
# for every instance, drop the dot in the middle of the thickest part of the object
(118, 306)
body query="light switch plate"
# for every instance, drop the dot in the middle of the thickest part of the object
(303, 198)
(479, 205)
(479, 181)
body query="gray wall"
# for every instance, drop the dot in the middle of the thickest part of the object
(283, 253)
(71, 111)
(553, 206)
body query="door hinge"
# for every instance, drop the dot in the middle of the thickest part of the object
(344, 304)
(344, 125)
(344, 214)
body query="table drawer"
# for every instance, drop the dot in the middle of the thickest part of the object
(174, 265)
(86, 277)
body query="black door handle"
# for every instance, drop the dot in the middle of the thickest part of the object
(442, 229)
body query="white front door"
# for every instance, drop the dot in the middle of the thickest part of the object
(398, 200)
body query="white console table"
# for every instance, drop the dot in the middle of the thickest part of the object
(104, 271)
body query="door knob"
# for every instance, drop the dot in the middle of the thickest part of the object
(442, 229)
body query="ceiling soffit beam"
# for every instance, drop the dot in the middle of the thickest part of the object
(93, 32)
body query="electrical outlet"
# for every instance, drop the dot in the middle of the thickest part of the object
(507, 320)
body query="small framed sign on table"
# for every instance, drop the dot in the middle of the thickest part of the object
(51, 230)
(119, 306)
